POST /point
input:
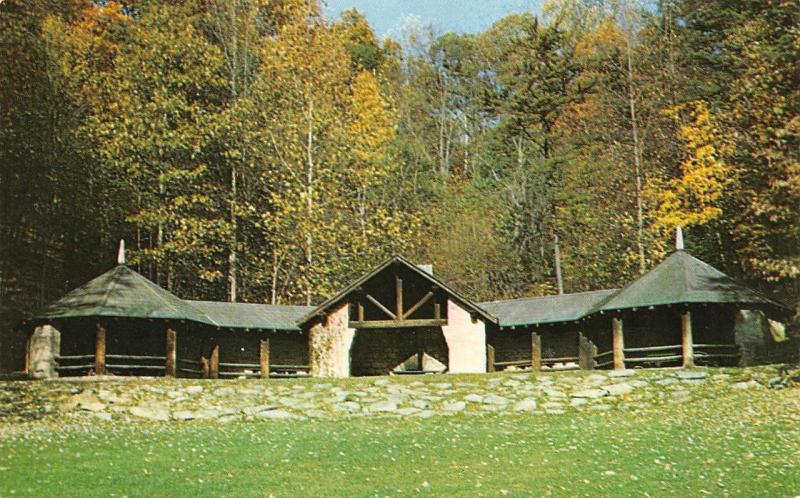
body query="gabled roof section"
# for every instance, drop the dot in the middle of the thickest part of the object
(397, 259)
(252, 316)
(122, 292)
(546, 309)
(684, 279)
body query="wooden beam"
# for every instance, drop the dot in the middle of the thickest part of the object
(205, 367)
(380, 306)
(394, 324)
(360, 312)
(419, 304)
(213, 364)
(536, 351)
(490, 366)
(171, 354)
(263, 358)
(687, 342)
(100, 350)
(437, 311)
(618, 343)
(399, 294)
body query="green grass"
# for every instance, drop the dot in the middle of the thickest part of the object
(740, 444)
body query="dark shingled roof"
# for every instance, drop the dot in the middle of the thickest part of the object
(122, 292)
(546, 309)
(252, 316)
(682, 278)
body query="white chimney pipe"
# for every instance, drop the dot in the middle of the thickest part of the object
(679, 239)
(121, 252)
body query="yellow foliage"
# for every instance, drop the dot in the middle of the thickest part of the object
(695, 196)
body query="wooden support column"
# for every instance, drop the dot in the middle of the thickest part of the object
(536, 351)
(213, 364)
(171, 356)
(618, 342)
(490, 358)
(399, 289)
(204, 367)
(100, 350)
(263, 358)
(687, 341)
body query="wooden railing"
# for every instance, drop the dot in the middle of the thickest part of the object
(602, 360)
(142, 363)
(716, 354)
(69, 363)
(654, 354)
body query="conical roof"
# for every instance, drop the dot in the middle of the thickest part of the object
(122, 292)
(682, 278)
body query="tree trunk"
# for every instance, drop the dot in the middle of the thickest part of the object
(309, 192)
(557, 261)
(232, 254)
(637, 163)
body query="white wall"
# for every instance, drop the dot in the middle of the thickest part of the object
(466, 341)
(329, 344)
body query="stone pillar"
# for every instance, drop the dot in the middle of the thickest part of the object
(466, 341)
(329, 344)
(44, 347)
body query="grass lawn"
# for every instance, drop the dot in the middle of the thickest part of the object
(743, 443)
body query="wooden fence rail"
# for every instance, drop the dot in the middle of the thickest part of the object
(69, 367)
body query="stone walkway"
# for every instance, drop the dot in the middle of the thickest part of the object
(187, 400)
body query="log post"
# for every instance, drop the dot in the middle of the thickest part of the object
(687, 341)
(204, 367)
(171, 356)
(536, 351)
(29, 354)
(100, 350)
(399, 295)
(263, 358)
(618, 342)
(490, 358)
(213, 364)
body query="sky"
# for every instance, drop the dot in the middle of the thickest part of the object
(392, 17)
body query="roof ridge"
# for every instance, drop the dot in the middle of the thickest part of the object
(150, 285)
(548, 296)
(111, 284)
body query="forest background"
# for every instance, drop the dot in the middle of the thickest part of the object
(255, 151)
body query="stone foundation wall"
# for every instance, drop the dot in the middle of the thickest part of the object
(329, 344)
(378, 351)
